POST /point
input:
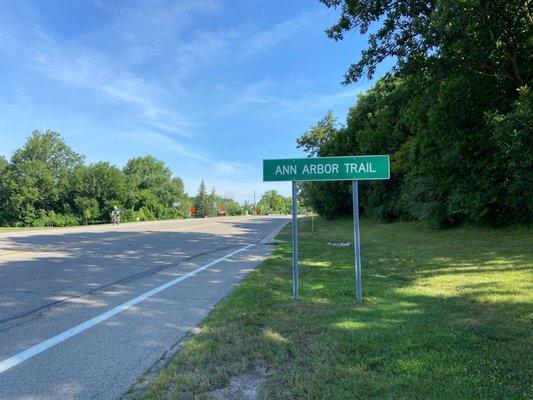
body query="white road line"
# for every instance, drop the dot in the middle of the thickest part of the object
(34, 350)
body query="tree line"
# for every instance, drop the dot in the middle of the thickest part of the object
(455, 113)
(271, 202)
(46, 183)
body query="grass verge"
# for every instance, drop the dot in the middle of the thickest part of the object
(447, 315)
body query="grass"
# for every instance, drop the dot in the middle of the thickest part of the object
(447, 315)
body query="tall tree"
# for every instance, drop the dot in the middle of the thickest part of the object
(274, 203)
(202, 202)
(153, 187)
(455, 103)
(318, 135)
(215, 200)
(147, 172)
(37, 178)
(489, 38)
(46, 183)
(96, 188)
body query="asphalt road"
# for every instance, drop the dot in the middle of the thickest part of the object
(85, 311)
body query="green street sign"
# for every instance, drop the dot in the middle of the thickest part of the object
(346, 168)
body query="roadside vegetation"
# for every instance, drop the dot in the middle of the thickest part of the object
(274, 203)
(455, 112)
(447, 314)
(46, 183)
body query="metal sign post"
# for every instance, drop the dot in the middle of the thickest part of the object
(294, 240)
(346, 168)
(357, 242)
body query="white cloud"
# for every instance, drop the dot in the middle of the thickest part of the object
(29, 46)
(266, 39)
(196, 158)
(148, 29)
(145, 59)
(203, 50)
(206, 49)
(263, 97)
(237, 100)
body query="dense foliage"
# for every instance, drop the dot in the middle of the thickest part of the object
(274, 203)
(455, 114)
(45, 183)
(212, 205)
(203, 203)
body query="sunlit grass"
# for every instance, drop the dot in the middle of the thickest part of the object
(447, 314)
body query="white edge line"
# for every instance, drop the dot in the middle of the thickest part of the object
(55, 340)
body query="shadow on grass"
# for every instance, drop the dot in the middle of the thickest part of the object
(446, 315)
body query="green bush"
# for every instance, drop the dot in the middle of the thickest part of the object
(51, 218)
(45, 183)
(453, 160)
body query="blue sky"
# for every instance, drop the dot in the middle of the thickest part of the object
(210, 87)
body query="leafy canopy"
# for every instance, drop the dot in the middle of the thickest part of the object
(490, 38)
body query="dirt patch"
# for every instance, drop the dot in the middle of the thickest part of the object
(245, 386)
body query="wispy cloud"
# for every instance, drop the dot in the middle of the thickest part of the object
(204, 50)
(173, 70)
(75, 64)
(254, 94)
(209, 48)
(174, 148)
(266, 39)
(263, 97)
(147, 29)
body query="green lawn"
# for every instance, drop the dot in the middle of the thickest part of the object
(447, 315)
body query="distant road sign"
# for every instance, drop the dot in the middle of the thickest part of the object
(346, 168)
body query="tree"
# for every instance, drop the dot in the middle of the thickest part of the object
(453, 113)
(512, 133)
(97, 188)
(174, 193)
(88, 208)
(214, 200)
(232, 207)
(202, 202)
(318, 135)
(147, 173)
(274, 203)
(18, 195)
(45, 183)
(492, 39)
(45, 163)
(35, 181)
